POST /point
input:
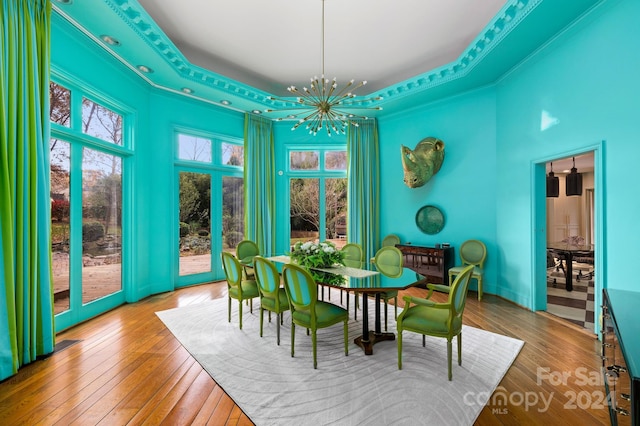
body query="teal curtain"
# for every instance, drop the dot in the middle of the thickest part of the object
(26, 307)
(363, 154)
(259, 183)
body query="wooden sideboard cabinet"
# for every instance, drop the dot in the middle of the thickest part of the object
(621, 355)
(432, 262)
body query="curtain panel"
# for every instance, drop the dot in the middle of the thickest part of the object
(26, 296)
(364, 186)
(259, 183)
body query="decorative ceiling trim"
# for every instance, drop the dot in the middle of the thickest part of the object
(136, 18)
(505, 21)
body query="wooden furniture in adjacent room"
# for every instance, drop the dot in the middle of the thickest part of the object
(432, 262)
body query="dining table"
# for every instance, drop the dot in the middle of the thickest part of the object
(569, 251)
(364, 278)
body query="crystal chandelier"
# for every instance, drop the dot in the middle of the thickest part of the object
(323, 105)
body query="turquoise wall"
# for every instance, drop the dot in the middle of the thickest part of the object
(495, 149)
(587, 80)
(153, 220)
(464, 188)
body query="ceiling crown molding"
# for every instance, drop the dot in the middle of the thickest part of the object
(483, 62)
(510, 16)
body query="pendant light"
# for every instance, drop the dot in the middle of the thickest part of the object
(574, 181)
(553, 184)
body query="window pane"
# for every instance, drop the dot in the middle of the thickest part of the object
(101, 224)
(304, 160)
(335, 160)
(100, 122)
(232, 212)
(194, 148)
(232, 154)
(60, 230)
(335, 207)
(304, 207)
(195, 223)
(60, 104)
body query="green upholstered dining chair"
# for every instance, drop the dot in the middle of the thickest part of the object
(273, 298)
(238, 287)
(353, 255)
(246, 251)
(389, 261)
(472, 252)
(390, 240)
(429, 318)
(352, 251)
(309, 312)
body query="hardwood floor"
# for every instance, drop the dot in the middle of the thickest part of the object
(127, 368)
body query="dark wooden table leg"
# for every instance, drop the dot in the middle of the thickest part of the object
(569, 278)
(370, 338)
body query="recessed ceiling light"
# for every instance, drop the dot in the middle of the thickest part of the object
(145, 68)
(187, 90)
(225, 102)
(257, 111)
(64, 1)
(110, 40)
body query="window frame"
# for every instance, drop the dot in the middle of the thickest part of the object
(78, 141)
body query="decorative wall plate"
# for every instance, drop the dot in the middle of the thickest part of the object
(430, 220)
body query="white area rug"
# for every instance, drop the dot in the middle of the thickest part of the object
(273, 388)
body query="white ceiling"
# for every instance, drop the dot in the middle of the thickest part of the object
(273, 44)
(238, 53)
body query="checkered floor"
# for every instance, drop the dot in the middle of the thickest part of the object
(575, 306)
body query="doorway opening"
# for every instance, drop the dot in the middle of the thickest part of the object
(570, 236)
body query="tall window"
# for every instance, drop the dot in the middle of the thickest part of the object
(211, 216)
(318, 195)
(86, 208)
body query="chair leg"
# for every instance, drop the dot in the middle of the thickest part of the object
(459, 339)
(229, 310)
(424, 340)
(277, 330)
(395, 307)
(346, 336)
(449, 357)
(313, 344)
(240, 313)
(479, 288)
(293, 336)
(385, 314)
(399, 349)
(262, 319)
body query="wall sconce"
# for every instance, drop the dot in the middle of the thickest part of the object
(574, 181)
(553, 184)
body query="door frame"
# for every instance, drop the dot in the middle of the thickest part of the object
(539, 228)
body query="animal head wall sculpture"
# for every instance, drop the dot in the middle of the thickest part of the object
(423, 162)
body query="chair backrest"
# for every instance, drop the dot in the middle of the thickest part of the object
(458, 291)
(389, 261)
(232, 269)
(390, 240)
(473, 252)
(389, 255)
(353, 251)
(267, 276)
(301, 288)
(246, 250)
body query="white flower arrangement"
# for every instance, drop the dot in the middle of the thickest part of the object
(312, 254)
